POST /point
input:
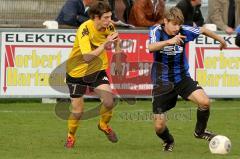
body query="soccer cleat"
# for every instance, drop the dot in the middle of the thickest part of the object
(70, 142)
(168, 146)
(111, 135)
(206, 135)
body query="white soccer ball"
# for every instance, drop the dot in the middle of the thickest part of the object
(220, 145)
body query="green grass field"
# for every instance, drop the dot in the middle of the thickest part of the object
(33, 130)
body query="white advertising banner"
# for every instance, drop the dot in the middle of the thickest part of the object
(28, 59)
(217, 71)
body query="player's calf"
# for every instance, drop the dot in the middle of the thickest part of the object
(202, 119)
(203, 114)
(167, 139)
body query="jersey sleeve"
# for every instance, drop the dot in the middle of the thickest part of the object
(238, 30)
(191, 33)
(154, 34)
(84, 40)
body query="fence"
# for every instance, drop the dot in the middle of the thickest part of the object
(28, 13)
(32, 13)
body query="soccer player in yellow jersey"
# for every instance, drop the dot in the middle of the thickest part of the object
(86, 68)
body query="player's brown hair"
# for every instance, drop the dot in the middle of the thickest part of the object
(98, 8)
(174, 14)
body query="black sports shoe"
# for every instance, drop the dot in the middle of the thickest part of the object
(206, 135)
(168, 146)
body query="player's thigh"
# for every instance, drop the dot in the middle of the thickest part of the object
(190, 90)
(77, 87)
(200, 97)
(102, 88)
(103, 91)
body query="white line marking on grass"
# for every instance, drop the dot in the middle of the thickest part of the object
(25, 111)
(182, 109)
(136, 110)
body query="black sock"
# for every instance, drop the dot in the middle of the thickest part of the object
(202, 119)
(165, 136)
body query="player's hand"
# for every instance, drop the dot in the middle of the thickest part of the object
(178, 39)
(110, 40)
(229, 30)
(113, 36)
(223, 44)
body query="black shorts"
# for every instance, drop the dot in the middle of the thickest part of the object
(78, 86)
(165, 94)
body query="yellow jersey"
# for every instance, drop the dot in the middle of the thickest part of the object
(88, 38)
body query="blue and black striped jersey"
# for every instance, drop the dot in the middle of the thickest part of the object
(170, 63)
(238, 29)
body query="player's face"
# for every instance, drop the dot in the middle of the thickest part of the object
(171, 27)
(105, 19)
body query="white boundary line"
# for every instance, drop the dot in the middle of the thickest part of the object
(117, 111)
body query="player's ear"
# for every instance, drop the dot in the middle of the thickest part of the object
(96, 17)
(165, 21)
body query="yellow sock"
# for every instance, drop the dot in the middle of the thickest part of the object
(106, 115)
(72, 125)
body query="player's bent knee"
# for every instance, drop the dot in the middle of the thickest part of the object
(205, 103)
(77, 115)
(159, 127)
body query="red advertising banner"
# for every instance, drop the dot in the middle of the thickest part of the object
(137, 62)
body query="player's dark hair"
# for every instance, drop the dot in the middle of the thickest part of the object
(98, 8)
(237, 40)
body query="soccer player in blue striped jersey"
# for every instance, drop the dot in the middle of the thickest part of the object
(170, 75)
(237, 40)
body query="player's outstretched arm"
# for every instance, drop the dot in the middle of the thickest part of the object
(157, 45)
(95, 53)
(215, 36)
(178, 39)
